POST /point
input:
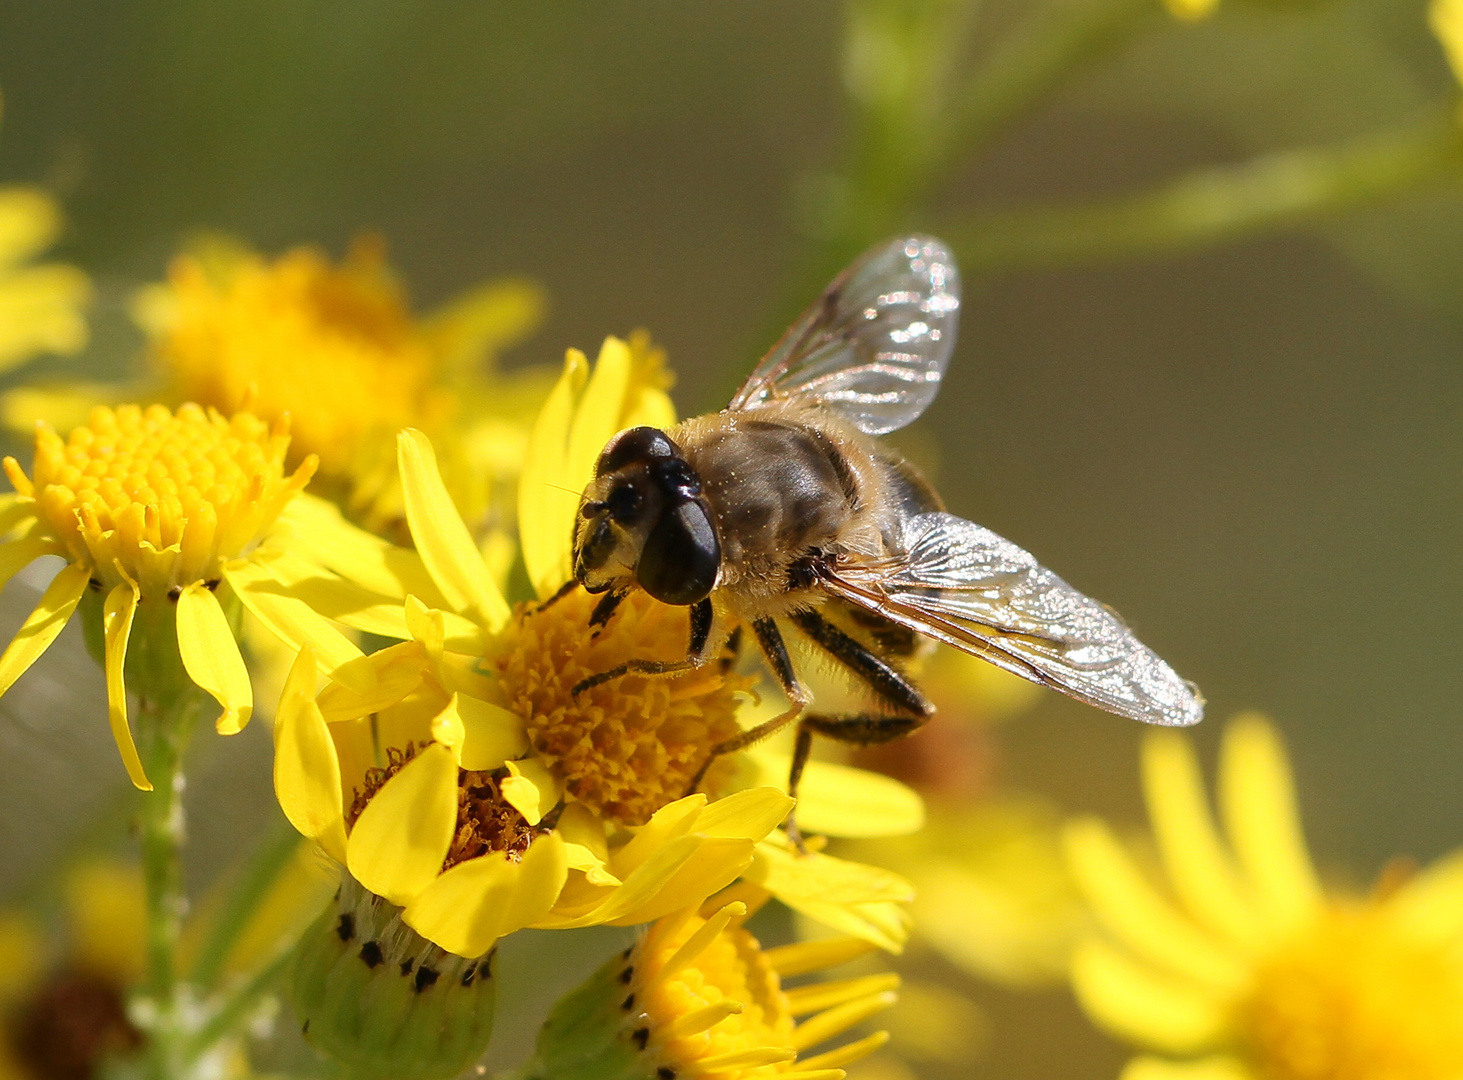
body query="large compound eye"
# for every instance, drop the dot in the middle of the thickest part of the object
(635, 445)
(623, 503)
(681, 556)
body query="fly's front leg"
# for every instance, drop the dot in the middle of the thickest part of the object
(701, 620)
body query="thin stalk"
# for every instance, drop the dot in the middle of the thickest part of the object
(1216, 205)
(233, 1008)
(1033, 61)
(258, 875)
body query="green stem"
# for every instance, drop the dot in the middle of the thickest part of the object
(269, 858)
(1215, 205)
(233, 1008)
(1032, 62)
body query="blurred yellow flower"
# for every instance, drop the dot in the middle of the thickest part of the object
(1254, 971)
(1190, 10)
(335, 347)
(41, 306)
(1446, 19)
(168, 520)
(698, 997)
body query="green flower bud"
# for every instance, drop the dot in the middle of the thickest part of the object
(376, 996)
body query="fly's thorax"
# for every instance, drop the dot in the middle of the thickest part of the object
(784, 482)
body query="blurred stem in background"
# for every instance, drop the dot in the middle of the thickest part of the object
(920, 109)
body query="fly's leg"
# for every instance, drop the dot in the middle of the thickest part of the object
(775, 651)
(907, 708)
(701, 619)
(564, 590)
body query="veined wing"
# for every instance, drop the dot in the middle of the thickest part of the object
(962, 584)
(875, 345)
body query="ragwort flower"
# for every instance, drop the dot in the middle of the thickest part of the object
(697, 997)
(169, 519)
(1254, 971)
(468, 785)
(336, 348)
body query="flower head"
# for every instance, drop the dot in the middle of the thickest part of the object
(698, 997)
(167, 519)
(336, 348)
(469, 786)
(1256, 971)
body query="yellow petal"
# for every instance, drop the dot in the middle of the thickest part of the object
(1218, 1067)
(641, 887)
(1141, 1006)
(401, 838)
(597, 419)
(291, 620)
(211, 656)
(865, 902)
(306, 767)
(530, 788)
(1201, 870)
(16, 555)
(1257, 796)
(545, 511)
(117, 613)
(43, 624)
(441, 536)
(107, 919)
(29, 223)
(837, 800)
(22, 954)
(492, 735)
(470, 906)
(1430, 905)
(1133, 911)
(486, 319)
(389, 674)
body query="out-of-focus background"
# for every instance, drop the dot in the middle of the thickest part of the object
(1251, 445)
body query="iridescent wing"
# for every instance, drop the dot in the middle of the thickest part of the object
(875, 345)
(962, 584)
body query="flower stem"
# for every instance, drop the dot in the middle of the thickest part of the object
(1267, 193)
(169, 707)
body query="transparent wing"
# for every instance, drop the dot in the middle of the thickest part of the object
(875, 345)
(962, 584)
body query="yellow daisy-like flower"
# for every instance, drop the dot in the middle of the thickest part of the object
(470, 788)
(1191, 10)
(1253, 971)
(698, 997)
(164, 518)
(1446, 19)
(41, 306)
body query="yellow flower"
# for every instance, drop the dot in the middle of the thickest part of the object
(470, 788)
(1446, 19)
(1191, 10)
(1253, 969)
(698, 997)
(166, 519)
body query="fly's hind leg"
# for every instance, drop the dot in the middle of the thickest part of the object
(905, 708)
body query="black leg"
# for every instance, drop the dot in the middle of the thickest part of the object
(873, 671)
(564, 590)
(701, 620)
(775, 651)
(606, 608)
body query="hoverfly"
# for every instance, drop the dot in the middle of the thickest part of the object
(784, 509)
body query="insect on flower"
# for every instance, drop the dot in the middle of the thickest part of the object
(784, 509)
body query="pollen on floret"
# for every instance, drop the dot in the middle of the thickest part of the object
(160, 498)
(628, 746)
